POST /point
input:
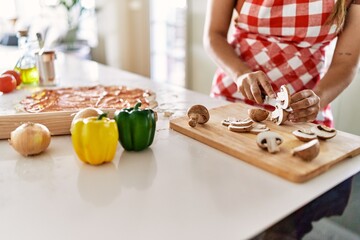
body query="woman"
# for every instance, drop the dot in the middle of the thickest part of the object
(279, 42)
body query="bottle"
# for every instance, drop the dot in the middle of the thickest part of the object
(26, 65)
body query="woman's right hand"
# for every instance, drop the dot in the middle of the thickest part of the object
(254, 85)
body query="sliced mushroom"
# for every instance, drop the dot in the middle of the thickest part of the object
(236, 122)
(270, 141)
(241, 129)
(323, 132)
(258, 128)
(308, 151)
(225, 122)
(303, 135)
(279, 115)
(242, 123)
(198, 114)
(283, 97)
(258, 114)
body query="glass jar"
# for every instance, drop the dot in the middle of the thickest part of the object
(26, 65)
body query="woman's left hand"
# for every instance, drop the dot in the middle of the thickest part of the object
(305, 105)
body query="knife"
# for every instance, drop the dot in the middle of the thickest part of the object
(264, 105)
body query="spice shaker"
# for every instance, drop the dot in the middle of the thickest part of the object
(46, 67)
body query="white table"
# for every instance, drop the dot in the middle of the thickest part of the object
(177, 189)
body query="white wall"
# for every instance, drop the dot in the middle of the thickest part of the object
(346, 108)
(124, 40)
(200, 68)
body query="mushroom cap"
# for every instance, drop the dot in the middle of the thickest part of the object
(258, 114)
(307, 151)
(303, 135)
(270, 140)
(198, 114)
(323, 132)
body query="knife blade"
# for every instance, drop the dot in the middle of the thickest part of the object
(264, 105)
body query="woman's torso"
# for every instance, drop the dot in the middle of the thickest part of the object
(287, 41)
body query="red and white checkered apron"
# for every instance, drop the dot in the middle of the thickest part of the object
(285, 39)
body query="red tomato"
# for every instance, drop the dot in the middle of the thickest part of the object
(7, 83)
(15, 74)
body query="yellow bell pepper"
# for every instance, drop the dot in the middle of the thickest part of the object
(95, 139)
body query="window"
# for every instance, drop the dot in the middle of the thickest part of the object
(168, 41)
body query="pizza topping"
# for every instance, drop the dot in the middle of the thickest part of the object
(75, 98)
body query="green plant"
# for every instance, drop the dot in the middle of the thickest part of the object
(74, 11)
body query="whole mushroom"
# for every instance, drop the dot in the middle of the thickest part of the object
(269, 140)
(197, 114)
(258, 114)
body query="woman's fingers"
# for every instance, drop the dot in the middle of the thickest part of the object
(305, 105)
(265, 84)
(253, 85)
(304, 99)
(304, 115)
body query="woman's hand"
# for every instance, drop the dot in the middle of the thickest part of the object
(254, 85)
(305, 105)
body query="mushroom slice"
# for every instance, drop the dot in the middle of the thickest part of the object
(279, 115)
(225, 122)
(242, 123)
(323, 132)
(237, 122)
(307, 151)
(283, 97)
(198, 114)
(303, 135)
(242, 129)
(269, 140)
(258, 114)
(258, 128)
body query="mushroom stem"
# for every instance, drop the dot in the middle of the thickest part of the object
(270, 141)
(193, 119)
(272, 146)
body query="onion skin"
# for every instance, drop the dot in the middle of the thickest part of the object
(30, 139)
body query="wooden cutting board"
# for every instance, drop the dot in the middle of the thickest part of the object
(243, 145)
(58, 123)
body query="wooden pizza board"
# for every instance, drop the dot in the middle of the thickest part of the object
(58, 123)
(243, 145)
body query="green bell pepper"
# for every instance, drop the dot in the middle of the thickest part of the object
(136, 127)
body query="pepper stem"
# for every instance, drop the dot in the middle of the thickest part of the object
(137, 105)
(101, 116)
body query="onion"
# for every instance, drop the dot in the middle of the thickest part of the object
(30, 138)
(85, 113)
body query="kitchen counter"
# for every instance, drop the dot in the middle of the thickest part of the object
(177, 189)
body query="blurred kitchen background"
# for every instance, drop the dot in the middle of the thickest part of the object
(160, 39)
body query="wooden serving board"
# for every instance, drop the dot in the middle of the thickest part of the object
(243, 145)
(58, 123)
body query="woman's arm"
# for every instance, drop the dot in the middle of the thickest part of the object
(345, 61)
(217, 23)
(341, 72)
